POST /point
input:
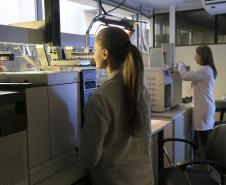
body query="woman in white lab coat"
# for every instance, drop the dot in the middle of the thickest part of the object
(204, 102)
(116, 137)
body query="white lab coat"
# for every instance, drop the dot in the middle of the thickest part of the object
(112, 156)
(204, 102)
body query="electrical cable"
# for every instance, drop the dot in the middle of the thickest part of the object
(120, 4)
(105, 13)
(92, 22)
(102, 12)
(102, 8)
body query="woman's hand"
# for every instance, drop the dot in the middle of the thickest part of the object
(177, 64)
(182, 65)
(1, 68)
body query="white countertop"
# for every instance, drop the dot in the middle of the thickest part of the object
(41, 77)
(161, 120)
(159, 124)
(173, 112)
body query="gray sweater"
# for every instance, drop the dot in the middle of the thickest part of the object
(112, 156)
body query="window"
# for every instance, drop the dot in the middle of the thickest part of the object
(195, 27)
(75, 17)
(161, 29)
(221, 28)
(17, 11)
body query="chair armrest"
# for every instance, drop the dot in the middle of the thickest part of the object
(194, 145)
(218, 166)
(219, 123)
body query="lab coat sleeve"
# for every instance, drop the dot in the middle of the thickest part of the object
(191, 75)
(97, 120)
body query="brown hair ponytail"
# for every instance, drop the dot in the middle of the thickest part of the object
(133, 72)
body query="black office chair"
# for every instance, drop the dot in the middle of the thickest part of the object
(221, 121)
(222, 111)
(182, 173)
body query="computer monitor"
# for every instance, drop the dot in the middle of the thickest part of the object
(91, 41)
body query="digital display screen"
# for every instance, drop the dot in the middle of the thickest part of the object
(167, 95)
(91, 41)
(90, 84)
(166, 72)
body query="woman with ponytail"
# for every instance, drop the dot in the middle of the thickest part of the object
(116, 137)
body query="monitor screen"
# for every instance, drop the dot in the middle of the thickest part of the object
(166, 72)
(91, 41)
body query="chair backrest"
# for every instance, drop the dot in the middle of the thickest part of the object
(216, 145)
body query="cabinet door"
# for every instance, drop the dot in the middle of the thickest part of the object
(64, 115)
(179, 147)
(38, 125)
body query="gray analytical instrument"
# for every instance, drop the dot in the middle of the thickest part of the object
(54, 103)
(159, 84)
(88, 85)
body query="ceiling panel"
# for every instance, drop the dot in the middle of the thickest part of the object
(148, 5)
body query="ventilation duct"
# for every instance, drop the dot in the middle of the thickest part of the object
(214, 6)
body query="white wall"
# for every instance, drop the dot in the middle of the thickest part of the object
(74, 18)
(76, 15)
(187, 54)
(15, 11)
